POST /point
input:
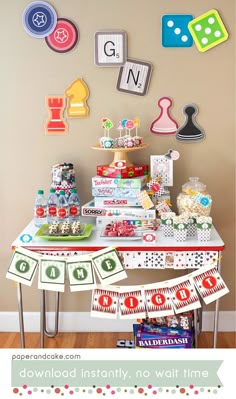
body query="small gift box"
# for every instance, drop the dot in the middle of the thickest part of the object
(180, 225)
(167, 223)
(204, 225)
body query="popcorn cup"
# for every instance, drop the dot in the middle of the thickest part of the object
(180, 230)
(167, 223)
(192, 225)
(204, 226)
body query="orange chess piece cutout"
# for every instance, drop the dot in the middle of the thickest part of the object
(77, 94)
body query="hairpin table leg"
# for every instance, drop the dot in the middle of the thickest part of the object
(21, 315)
(51, 334)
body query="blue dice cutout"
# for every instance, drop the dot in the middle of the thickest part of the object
(175, 32)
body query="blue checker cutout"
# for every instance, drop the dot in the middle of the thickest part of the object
(39, 19)
(175, 32)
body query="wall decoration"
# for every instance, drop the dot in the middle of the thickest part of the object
(81, 274)
(110, 48)
(108, 266)
(65, 36)
(55, 124)
(175, 32)
(39, 19)
(23, 266)
(164, 124)
(208, 30)
(105, 302)
(51, 275)
(172, 154)
(134, 77)
(161, 167)
(77, 94)
(209, 283)
(190, 130)
(131, 302)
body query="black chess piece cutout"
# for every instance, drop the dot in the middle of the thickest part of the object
(190, 130)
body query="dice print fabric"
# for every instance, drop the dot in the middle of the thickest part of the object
(208, 30)
(175, 32)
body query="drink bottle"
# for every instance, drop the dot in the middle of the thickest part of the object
(40, 209)
(52, 206)
(62, 208)
(74, 206)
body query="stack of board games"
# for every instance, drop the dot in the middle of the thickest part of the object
(116, 198)
(175, 331)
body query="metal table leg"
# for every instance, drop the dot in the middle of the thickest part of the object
(195, 319)
(217, 304)
(42, 318)
(21, 315)
(44, 329)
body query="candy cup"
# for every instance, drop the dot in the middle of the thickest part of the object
(108, 142)
(101, 141)
(138, 140)
(129, 142)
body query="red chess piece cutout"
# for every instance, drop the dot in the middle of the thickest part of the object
(164, 124)
(56, 124)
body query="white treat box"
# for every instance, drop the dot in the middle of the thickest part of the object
(90, 209)
(115, 192)
(135, 182)
(111, 201)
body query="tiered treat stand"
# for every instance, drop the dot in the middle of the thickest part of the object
(120, 154)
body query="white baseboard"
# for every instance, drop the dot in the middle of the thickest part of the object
(83, 322)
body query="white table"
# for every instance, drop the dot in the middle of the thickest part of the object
(95, 243)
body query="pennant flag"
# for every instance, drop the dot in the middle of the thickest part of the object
(108, 266)
(104, 302)
(183, 295)
(52, 273)
(209, 283)
(23, 266)
(158, 302)
(81, 274)
(132, 303)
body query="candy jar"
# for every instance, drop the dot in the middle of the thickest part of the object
(194, 198)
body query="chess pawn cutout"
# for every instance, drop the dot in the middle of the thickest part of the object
(190, 130)
(56, 124)
(164, 124)
(77, 94)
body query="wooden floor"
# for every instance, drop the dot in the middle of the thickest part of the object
(102, 340)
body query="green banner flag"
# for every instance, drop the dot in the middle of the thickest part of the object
(83, 373)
